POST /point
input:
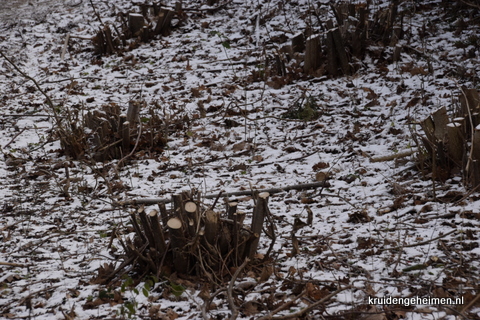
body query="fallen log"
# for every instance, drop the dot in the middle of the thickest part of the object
(151, 201)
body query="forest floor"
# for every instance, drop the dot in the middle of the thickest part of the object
(222, 116)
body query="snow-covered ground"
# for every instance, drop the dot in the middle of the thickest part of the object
(376, 231)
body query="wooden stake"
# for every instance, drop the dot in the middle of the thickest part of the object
(110, 48)
(259, 213)
(136, 227)
(163, 22)
(135, 23)
(212, 219)
(313, 54)
(298, 42)
(240, 217)
(132, 112)
(231, 209)
(157, 233)
(475, 172)
(339, 48)
(456, 143)
(163, 213)
(440, 119)
(177, 243)
(126, 137)
(147, 230)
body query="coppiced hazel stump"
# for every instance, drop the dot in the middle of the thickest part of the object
(164, 20)
(192, 240)
(136, 22)
(453, 144)
(313, 54)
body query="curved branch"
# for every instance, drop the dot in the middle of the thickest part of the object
(231, 303)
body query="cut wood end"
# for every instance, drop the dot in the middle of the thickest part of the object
(264, 195)
(233, 204)
(320, 176)
(153, 213)
(174, 223)
(141, 209)
(211, 215)
(190, 206)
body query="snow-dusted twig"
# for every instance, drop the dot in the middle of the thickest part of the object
(418, 243)
(302, 312)
(49, 100)
(14, 137)
(134, 148)
(393, 156)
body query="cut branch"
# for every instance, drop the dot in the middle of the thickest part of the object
(148, 201)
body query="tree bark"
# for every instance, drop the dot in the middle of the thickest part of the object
(259, 213)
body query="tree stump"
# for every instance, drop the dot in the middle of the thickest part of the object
(164, 21)
(195, 241)
(313, 54)
(454, 144)
(136, 22)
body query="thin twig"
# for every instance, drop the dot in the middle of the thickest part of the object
(271, 234)
(216, 200)
(134, 148)
(96, 13)
(13, 139)
(471, 303)
(14, 224)
(333, 196)
(49, 101)
(472, 130)
(36, 293)
(418, 243)
(231, 303)
(471, 4)
(302, 312)
(283, 307)
(207, 303)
